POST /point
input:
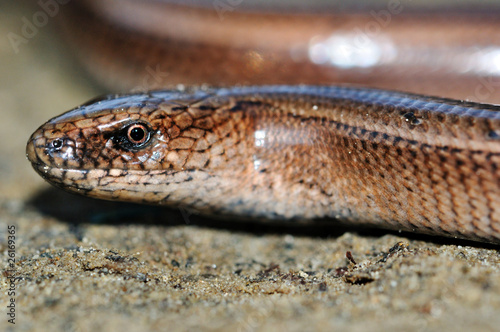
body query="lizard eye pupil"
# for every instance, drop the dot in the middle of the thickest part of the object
(137, 134)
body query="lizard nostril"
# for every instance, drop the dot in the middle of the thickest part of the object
(56, 144)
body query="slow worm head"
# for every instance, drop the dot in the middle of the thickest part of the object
(365, 156)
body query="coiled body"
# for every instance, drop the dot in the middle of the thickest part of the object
(365, 156)
(398, 45)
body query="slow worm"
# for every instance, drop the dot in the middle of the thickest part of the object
(364, 156)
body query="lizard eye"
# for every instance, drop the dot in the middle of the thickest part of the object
(138, 134)
(134, 136)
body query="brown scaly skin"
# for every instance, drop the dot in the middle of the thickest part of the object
(282, 152)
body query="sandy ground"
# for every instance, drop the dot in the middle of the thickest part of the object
(85, 265)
